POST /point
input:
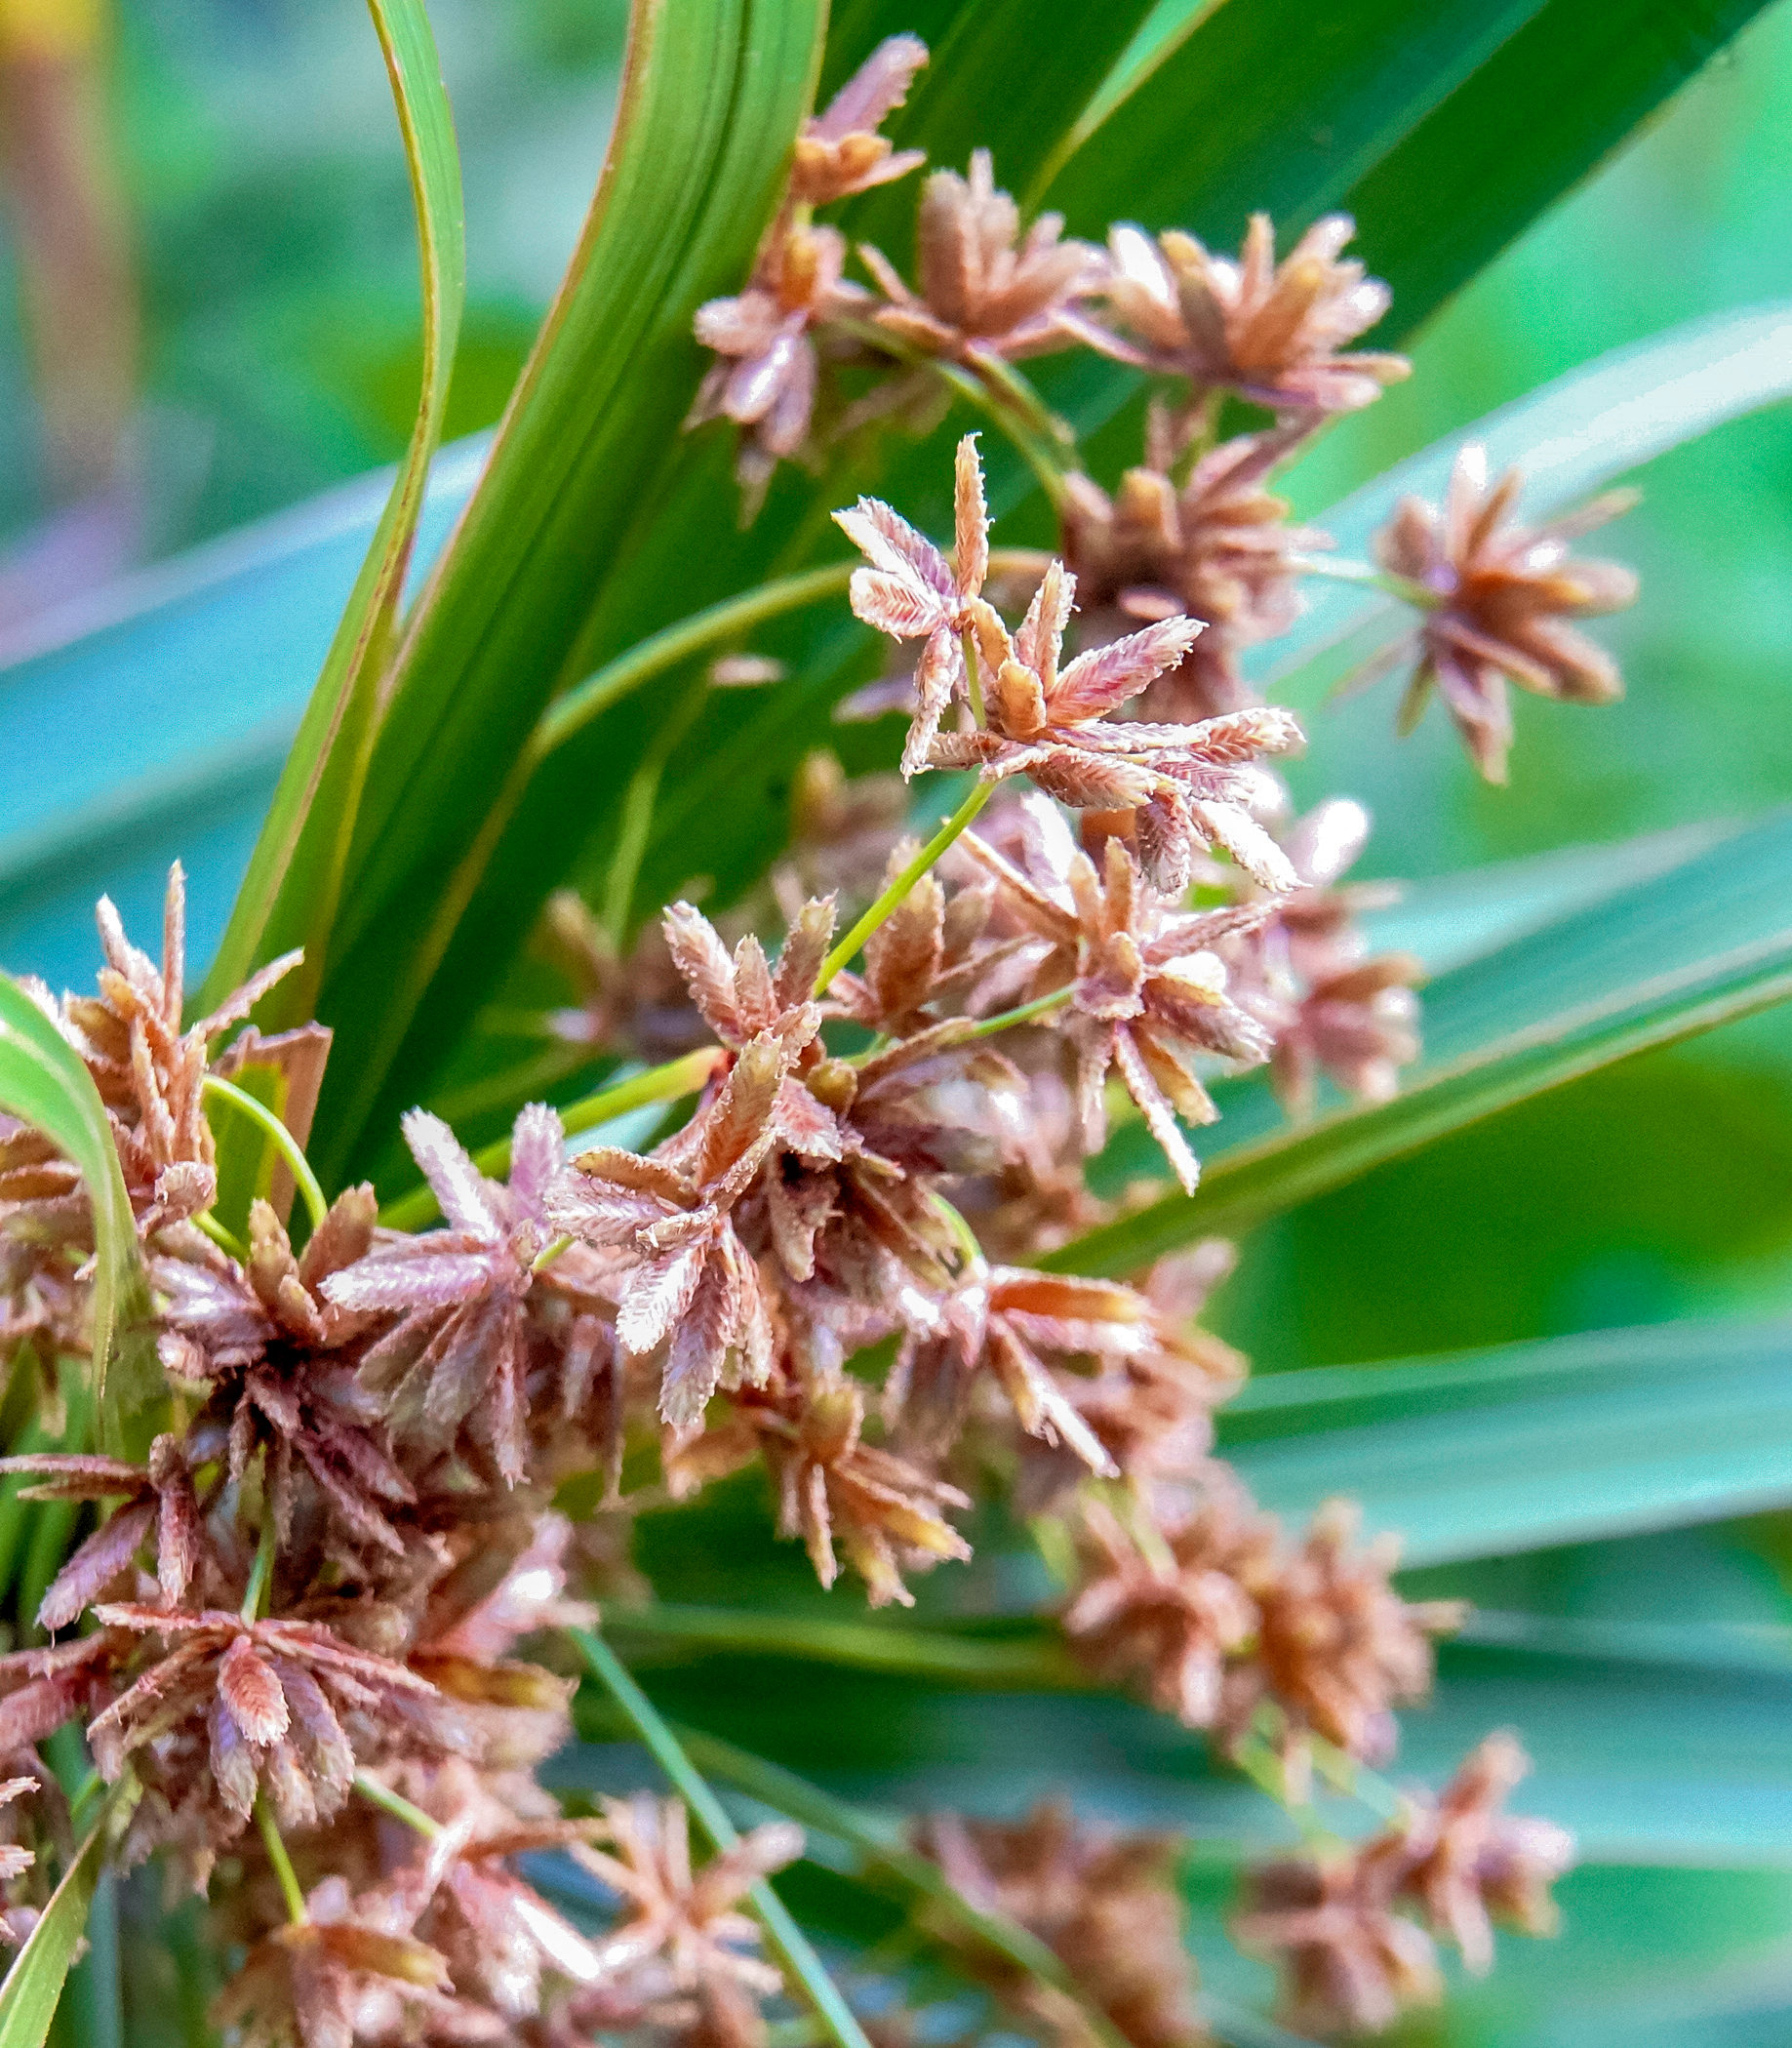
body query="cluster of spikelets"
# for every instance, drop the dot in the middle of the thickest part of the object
(306, 1608)
(1193, 532)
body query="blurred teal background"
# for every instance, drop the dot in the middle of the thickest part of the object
(271, 224)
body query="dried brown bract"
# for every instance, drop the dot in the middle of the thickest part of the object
(834, 1490)
(1219, 549)
(840, 151)
(682, 1945)
(1148, 993)
(456, 1356)
(268, 1347)
(1168, 1614)
(1349, 1963)
(635, 1002)
(766, 369)
(1503, 593)
(1469, 1864)
(1307, 974)
(686, 1274)
(910, 592)
(1104, 1904)
(986, 290)
(157, 1507)
(1336, 1647)
(1274, 333)
(995, 1324)
(148, 1072)
(258, 1705)
(321, 1980)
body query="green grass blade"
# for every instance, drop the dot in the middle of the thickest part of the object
(290, 894)
(1571, 1441)
(1571, 437)
(1667, 957)
(1531, 123)
(1270, 106)
(34, 1983)
(43, 1082)
(712, 94)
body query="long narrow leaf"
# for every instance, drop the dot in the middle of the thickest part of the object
(34, 1983)
(1670, 956)
(43, 1082)
(290, 894)
(711, 97)
(1566, 1441)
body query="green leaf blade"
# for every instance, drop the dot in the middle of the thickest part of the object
(1671, 955)
(291, 891)
(44, 1082)
(33, 1986)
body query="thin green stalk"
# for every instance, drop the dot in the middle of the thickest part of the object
(254, 1594)
(973, 680)
(1040, 1005)
(226, 1240)
(394, 1804)
(1418, 595)
(548, 1253)
(281, 1860)
(782, 1931)
(666, 649)
(881, 1850)
(1041, 1665)
(658, 1084)
(904, 883)
(969, 1250)
(285, 1143)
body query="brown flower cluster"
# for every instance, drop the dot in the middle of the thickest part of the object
(1104, 1904)
(1202, 1605)
(1498, 595)
(1351, 1962)
(307, 1633)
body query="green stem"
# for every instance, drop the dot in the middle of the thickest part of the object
(969, 1250)
(281, 1860)
(394, 1804)
(891, 897)
(1364, 574)
(285, 1143)
(883, 1851)
(548, 1253)
(666, 649)
(254, 1594)
(1035, 1664)
(658, 1084)
(226, 1240)
(1040, 1005)
(782, 1931)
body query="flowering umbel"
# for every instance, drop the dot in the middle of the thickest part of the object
(324, 1603)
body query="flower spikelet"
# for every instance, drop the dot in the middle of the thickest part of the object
(910, 592)
(1104, 1904)
(1504, 591)
(840, 151)
(986, 290)
(1275, 333)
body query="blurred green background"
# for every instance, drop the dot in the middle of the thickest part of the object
(270, 224)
